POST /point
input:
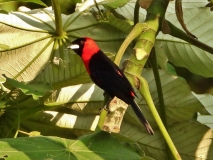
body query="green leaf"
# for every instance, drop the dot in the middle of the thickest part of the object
(186, 4)
(116, 4)
(183, 54)
(125, 26)
(206, 119)
(15, 114)
(198, 20)
(72, 69)
(171, 69)
(2, 103)
(86, 147)
(206, 100)
(50, 62)
(192, 139)
(87, 98)
(52, 119)
(36, 54)
(35, 89)
(128, 11)
(34, 133)
(109, 4)
(32, 1)
(178, 99)
(3, 46)
(177, 95)
(27, 32)
(3, 12)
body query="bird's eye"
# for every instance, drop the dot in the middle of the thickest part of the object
(81, 42)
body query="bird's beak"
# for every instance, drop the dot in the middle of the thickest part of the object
(73, 46)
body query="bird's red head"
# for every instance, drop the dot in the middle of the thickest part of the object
(84, 47)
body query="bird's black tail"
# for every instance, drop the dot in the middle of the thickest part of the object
(141, 117)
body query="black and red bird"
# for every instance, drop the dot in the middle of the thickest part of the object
(107, 75)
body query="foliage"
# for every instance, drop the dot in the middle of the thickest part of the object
(85, 147)
(47, 89)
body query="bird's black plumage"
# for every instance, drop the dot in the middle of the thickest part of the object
(109, 77)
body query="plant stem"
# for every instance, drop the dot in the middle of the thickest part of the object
(153, 60)
(101, 120)
(144, 90)
(18, 125)
(58, 19)
(103, 113)
(136, 12)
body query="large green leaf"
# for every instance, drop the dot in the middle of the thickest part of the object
(206, 119)
(23, 101)
(35, 89)
(32, 1)
(186, 4)
(23, 33)
(36, 53)
(111, 4)
(86, 98)
(192, 139)
(128, 11)
(89, 99)
(207, 101)
(116, 4)
(180, 103)
(182, 54)
(61, 124)
(86, 147)
(43, 58)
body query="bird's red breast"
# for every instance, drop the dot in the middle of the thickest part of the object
(90, 48)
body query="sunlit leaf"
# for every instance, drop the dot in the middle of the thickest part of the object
(32, 1)
(198, 20)
(35, 53)
(192, 139)
(183, 54)
(180, 103)
(35, 89)
(86, 147)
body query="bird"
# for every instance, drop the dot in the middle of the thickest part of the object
(107, 75)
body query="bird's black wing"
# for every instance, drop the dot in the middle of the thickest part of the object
(108, 76)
